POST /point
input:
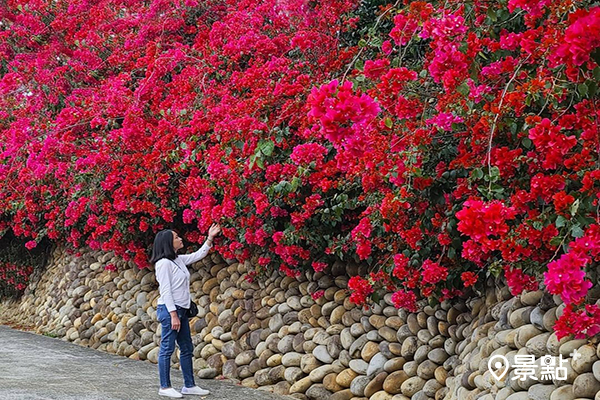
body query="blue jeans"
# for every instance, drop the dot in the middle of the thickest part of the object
(167, 347)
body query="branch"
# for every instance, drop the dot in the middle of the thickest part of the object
(489, 151)
(361, 50)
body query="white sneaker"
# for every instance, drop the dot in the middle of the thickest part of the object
(194, 390)
(169, 392)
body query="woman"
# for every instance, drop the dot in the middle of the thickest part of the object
(174, 286)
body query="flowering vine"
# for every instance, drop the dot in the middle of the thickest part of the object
(441, 143)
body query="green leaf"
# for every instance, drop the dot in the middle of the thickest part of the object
(576, 231)
(451, 252)
(463, 89)
(503, 13)
(592, 88)
(513, 128)
(493, 174)
(582, 89)
(388, 122)
(555, 241)
(498, 189)
(362, 43)
(477, 173)
(376, 297)
(560, 221)
(359, 65)
(295, 184)
(527, 143)
(575, 207)
(496, 272)
(267, 147)
(495, 171)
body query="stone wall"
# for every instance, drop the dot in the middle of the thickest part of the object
(274, 336)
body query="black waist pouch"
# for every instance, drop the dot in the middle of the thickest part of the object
(193, 310)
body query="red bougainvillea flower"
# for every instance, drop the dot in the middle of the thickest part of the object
(110, 267)
(566, 277)
(405, 300)
(469, 278)
(309, 152)
(433, 272)
(518, 281)
(319, 266)
(479, 220)
(581, 38)
(360, 289)
(581, 323)
(421, 130)
(318, 294)
(400, 266)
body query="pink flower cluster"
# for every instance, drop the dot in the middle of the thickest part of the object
(400, 270)
(319, 266)
(518, 281)
(469, 278)
(484, 223)
(433, 272)
(480, 220)
(405, 299)
(582, 323)
(581, 38)
(566, 276)
(445, 120)
(361, 234)
(360, 290)
(551, 142)
(306, 153)
(345, 117)
(312, 202)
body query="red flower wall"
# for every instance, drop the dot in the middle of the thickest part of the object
(440, 142)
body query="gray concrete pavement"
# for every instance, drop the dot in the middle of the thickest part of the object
(34, 367)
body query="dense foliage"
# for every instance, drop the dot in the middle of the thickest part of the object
(439, 142)
(17, 264)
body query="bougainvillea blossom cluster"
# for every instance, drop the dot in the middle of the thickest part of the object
(440, 143)
(14, 276)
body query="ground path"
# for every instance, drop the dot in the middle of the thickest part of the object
(34, 367)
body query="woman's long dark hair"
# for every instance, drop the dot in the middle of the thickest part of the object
(163, 246)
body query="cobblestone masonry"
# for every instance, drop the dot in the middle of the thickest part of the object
(273, 335)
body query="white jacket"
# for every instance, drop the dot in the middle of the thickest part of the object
(174, 278)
